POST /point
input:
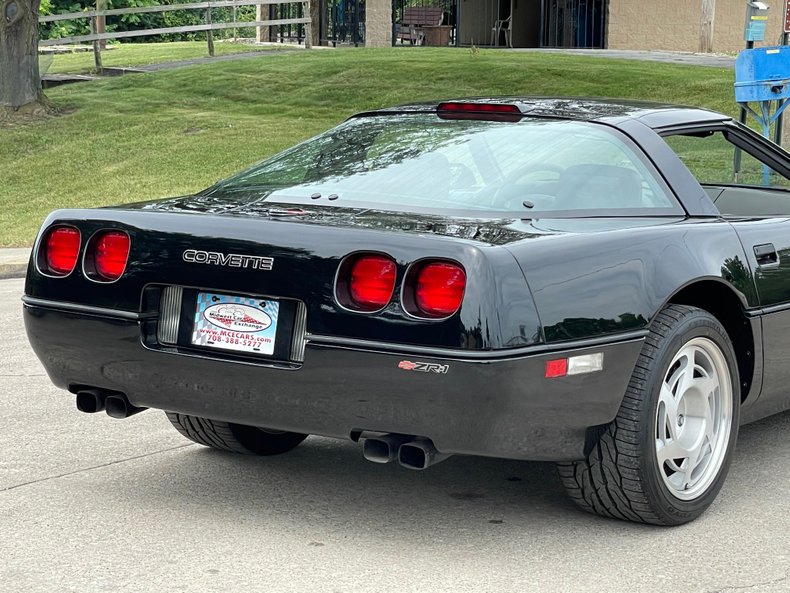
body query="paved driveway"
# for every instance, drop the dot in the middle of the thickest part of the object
(89, 504)
(671, 57)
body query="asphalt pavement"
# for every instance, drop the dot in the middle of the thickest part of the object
(91, 504)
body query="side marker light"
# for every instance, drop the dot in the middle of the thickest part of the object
(575, 365)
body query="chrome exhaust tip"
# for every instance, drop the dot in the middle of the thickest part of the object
(419, 454)
(381, 447)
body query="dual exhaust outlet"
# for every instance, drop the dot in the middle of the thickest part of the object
(117, 405)
(411, 452)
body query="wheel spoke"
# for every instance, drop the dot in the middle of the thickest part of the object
(711, 429)
(668, 410)
(686, 381)
(696, 457)
(706, 385)
(668, 451)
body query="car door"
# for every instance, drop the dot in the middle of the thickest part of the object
(748, 179)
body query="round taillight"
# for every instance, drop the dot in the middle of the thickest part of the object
(439, 289)
(110, 254)
(371, 282)
(61, 250)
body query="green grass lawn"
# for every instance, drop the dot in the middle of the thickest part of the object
(146, 136)
(127, 55)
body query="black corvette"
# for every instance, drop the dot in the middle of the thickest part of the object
(601, 284)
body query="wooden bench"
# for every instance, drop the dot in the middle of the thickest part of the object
(413, 21)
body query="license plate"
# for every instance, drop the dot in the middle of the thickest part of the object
(237, 323)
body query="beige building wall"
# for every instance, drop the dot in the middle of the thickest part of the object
(731, 17)
(675, 24)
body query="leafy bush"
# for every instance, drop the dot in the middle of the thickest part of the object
(132, 22)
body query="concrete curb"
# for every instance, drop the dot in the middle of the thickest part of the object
(13, 262)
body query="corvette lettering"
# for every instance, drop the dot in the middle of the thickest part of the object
(231, 260)
(424, 367)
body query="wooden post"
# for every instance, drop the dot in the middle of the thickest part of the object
(235, 32)
(96, 46)
(707, 18)
(209, 34)
(101, 23)
(308, 27)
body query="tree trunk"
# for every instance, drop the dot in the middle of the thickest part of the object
(265, 13)
(315, 17)
(20, 82)
(707, 18)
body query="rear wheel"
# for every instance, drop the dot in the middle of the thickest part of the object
(665, 456)
(236, 438)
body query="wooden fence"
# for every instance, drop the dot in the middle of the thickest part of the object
(209, 26)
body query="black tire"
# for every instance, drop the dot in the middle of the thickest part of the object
(621, 476)
(236, 438)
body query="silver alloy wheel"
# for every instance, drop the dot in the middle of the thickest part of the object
(693, 418)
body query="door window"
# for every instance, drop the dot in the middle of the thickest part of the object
(738, 182)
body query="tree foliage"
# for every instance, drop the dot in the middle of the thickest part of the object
(131, 22)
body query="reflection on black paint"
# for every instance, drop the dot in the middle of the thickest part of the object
(577, 327)
(738, 274)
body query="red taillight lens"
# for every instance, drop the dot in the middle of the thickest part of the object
(62, 246)
(111, 252)
(556, 368)
(485, 111)
(440, 289)
(372, 282)
(478, 107)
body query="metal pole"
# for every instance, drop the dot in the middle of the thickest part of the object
(778, 129)
(355, 23)
(334, 23)
(394, 25)
(736, 162)
(457, 23)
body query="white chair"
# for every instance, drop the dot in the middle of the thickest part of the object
(501, 25)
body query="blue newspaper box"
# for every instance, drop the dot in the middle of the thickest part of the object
(762, 74)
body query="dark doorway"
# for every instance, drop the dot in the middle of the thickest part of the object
(342, 22)
(574, 23)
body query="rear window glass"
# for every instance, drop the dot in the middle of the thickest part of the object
(419, 161)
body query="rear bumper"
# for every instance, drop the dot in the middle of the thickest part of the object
(493, 406)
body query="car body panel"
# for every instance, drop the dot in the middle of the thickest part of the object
(604, 281)
(342, 389)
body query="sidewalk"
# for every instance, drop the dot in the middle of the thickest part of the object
(13, 262)
(671, 57)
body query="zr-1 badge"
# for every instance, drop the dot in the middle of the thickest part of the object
(424, 367)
